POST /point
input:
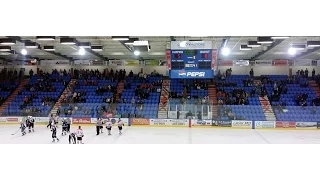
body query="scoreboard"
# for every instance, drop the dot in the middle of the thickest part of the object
(192, 59)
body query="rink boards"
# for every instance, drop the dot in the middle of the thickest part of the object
(186, 123)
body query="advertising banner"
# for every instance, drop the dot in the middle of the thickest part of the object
(285, 124)
(153, 62)
(280, 62)
(116, 63)
(264, 124)
(139, 121)
(241, 63)
(222, 123)
(81, 120)
(306, 125)
(225, 62)
(263, 62)
(54, 62)
(114, 121)
(241, 124)
(37, 119)
(168, 58)
(201, 122)
(178, 122)
(214, 59)
(133, 62)
(159, 122)
(189, 74)
(13, 119)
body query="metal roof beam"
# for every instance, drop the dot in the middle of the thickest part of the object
(17, 38)
(276, 43)
(93, 53)
(307, 52)
(130, 49)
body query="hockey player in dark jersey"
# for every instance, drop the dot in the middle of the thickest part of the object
(54, 134)
(30, 124)
(72, 138)
(64, 127)
(51, 119)
(23, 128)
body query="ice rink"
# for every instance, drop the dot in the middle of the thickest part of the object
(160, 135)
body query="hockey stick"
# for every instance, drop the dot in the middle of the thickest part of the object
(16, 132)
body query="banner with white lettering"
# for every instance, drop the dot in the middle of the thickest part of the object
(191, 74)
(176, 45)
(241, 63)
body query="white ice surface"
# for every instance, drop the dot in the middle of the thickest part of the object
(160, 135)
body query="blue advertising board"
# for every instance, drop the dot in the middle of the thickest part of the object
(191, 74)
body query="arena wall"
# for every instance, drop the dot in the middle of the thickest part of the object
(183, 123)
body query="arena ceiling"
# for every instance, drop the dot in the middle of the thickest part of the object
(118, 50)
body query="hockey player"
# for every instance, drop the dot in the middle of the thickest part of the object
(72, 138)
(120, 124)
(64, 127)
(69, 124)
(56, 122)
(99, 126)
(23, 128)
(51, 119)
(109, 126)
(30, 123)
(54, 134)
(79, 134)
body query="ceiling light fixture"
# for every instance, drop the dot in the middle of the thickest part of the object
(131, 41)
(5, 48)
(292, 51)
(298, 46)
(29, 44)
(82, 51)
(225, 51)
(24, 52)
(245, 48)
(253, 44)
(120, 38)
(264, 40)
(137, 53)
(7, 41)
(96, 48)
(313, 43)
(49, 48)
(280, 37)
(45, 38)
(84, 44)
(68, 41)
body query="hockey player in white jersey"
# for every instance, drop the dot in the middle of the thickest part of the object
(109, 126)
(80, 135)
(120, 124)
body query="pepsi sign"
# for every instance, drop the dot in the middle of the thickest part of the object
(191, 74)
